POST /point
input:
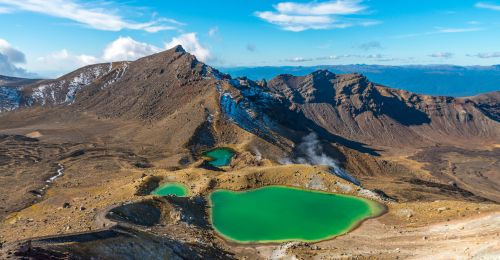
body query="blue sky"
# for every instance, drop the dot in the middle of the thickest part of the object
(51, 37)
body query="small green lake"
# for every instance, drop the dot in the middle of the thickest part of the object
(171, 189)
(220, 156)
(278, 214)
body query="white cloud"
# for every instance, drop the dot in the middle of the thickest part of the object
(158, 28)
(487, 6)
(5, 10)
(89, 15)
(326, 8)
(344, 56)
(123, 48)
(299, 59)
(442, 55)
(190, 43)
(63, 60)
(485, 55)
(374, 56)
(456, 30)
(441, 30)
(126, 48)
(296, 23)
(338, 57)
(10, 58)
(14, 55)
(296, 17)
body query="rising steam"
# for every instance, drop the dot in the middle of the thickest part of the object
(312, 154)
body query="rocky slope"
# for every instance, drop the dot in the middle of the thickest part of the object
(10, 92)
(351, 106)
(110, 126)
(347, 108)
(19, 93)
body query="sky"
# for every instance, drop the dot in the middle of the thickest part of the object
(47, 38)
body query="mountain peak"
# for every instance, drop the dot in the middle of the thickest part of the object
(178, 48)
(170, 54)
(323, 73)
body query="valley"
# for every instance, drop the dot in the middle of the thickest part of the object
(119, 131)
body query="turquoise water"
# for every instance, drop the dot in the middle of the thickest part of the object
(278, 214)
(220, 156)
(171, 189)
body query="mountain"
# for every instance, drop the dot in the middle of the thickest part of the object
(351, 106)
(6, 81)
(92, 145)
(193, 106)
(10, 95)
(26, 93)
(441, 80)
(348, 109)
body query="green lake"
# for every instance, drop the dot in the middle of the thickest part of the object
(220, 156)
(171, 189)
(278, 214)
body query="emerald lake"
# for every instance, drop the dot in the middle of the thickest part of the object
(220, 156)
(171, 189)
(278, 214)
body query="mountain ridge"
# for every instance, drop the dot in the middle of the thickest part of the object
(442, 80)
(345, 105)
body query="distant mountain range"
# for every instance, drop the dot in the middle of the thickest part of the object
(441, 80)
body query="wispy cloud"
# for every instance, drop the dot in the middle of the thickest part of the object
(299, 59)
(456, 30)
(442, 55)
(489, 6)
(335, 57)
(378, 57)
(297, 17)
(441, 30)
(5, 10)
(90, 15)
(485, 55)
(296, 23)
(326, 8)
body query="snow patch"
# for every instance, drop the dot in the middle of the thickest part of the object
(117, 75)
(10, 99)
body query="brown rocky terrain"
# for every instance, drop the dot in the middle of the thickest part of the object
(119, 129)
(392, 121)
(357, 109)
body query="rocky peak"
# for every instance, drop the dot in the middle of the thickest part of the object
(179, 49)
(322, 74)
(321, 86)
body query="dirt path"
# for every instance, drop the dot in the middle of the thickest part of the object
(471, 238)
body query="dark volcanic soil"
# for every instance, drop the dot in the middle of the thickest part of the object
(477, 171)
